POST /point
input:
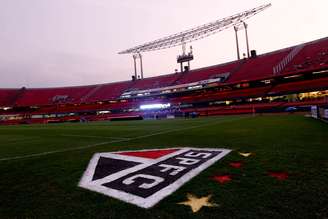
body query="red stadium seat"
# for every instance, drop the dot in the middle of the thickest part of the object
(7, 96)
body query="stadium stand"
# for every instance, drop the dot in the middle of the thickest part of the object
(108, 91)
(300, 86)
(48, 96)
(154, 82)
(302, 68)
(259, 67)
(314, 54)
(7, 97)
(207, 73)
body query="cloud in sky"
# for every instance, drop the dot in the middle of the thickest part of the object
(75, 42)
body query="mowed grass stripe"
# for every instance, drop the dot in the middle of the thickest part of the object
(93, 136)
(155, 133)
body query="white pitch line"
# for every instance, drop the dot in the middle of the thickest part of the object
(95, 136)
(114, 141)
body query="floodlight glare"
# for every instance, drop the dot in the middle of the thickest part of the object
(155, 106)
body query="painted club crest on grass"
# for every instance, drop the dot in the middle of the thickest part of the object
(145, 177)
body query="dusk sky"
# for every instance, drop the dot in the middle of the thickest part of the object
(49, 43)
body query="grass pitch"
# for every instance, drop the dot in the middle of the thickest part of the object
(41, 165)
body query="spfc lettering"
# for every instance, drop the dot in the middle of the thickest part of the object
(145, 177)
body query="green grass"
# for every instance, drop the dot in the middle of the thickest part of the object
(46, 186)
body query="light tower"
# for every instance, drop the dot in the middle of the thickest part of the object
(185, 57)
(137, 56)
(237, 27)
(246, 35)
(237, 41)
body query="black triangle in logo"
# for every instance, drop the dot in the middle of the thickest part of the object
(107, 166)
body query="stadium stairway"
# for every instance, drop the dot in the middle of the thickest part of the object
(285, 61)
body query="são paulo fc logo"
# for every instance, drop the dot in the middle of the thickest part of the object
(145, 177)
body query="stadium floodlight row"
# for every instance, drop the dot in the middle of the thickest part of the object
(296, 76)
(196, 32)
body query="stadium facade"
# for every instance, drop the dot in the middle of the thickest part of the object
(289, 79)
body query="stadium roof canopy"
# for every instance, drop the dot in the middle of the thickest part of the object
(196, 33)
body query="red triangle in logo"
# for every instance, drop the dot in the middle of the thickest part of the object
(153, 154)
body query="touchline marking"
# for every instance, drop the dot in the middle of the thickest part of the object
(115, 141)
(95, 136)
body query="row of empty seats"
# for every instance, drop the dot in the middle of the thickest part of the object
(300, 86)
(259, 67)
(48, 96)
(7, 96)
(313, 54)
(109, 91)
(207, 73)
